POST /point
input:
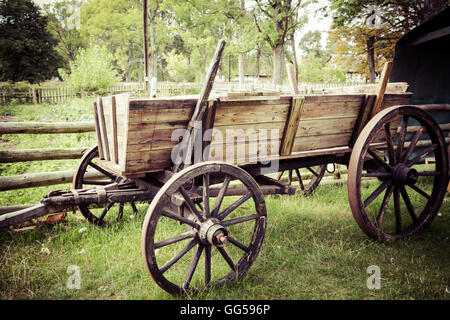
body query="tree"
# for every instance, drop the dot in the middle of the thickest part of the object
(64, 24)
(380, 23)
(277, 21)
(26, 47)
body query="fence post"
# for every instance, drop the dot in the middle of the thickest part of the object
(33, 90)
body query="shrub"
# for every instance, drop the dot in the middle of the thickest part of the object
(91, 71)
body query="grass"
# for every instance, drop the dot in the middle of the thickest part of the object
(313, 248)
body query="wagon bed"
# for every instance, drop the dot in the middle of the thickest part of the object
(135, 135)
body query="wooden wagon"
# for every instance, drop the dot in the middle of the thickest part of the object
(205, 164)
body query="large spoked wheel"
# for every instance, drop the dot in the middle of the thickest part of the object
(306, 186)
(228, 232)
(406, 193)
(84, 179)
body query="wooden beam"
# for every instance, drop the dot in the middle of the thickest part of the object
(287, 141)
(97, 130)
(32, 180)
(115, 145)
(104, 135)
(382, 87)
(41, 154)
(46, 127)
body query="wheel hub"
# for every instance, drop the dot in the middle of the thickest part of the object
(405, 175)
(212, 233)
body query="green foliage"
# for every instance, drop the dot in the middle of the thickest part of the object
(26, 47)
(91, 71)
(178, 67)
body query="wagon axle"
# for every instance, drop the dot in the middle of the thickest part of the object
(404, 175)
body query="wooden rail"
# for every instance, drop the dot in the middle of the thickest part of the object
(41, 154)
(46, 127)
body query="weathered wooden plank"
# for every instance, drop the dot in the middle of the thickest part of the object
(316, 108)
(384, 79)
(363, 117)
(41, 154)
(32, 180)
(291, 127)
(31, 127)
(321, 141)
(102, 122)
(251, 114)
(97, 131)
(115, 143)
(324, 126)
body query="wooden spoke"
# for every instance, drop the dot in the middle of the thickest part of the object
(120, 215)
(207, 265)
(220, 196)
(390, 145)
(398, 214)
(206, 195)
(377, 174)
(423, 154)
(420, 191)
(300, 181)
(429, 173)
(312, 171)
(280, 174)
(401, 139)
(105, 210)
(106, 173)
(233, 206)
(237, 244)
(379, 160)
(190, 204)
(409, 206)
(192, 267)
(377, 192)
(180, 219)
(382, 211)
(133, 206)
(180, 237)
(231, 222)
(179, 255)
(413, 144)
(227, 257)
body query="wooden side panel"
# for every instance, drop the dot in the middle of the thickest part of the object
(327, 121)
(122, 106)
(152, 132)
(247, 129)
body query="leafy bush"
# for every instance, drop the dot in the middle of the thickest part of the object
(91, 71)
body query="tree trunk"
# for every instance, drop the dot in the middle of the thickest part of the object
(278, 63)
(203, 65)
(241, 69)
(294, 58)
(152, 52)
(371, 58)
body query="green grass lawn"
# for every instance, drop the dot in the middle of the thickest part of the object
(313, 248)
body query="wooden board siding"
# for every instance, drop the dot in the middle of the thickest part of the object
(247, 128)
(138, 135)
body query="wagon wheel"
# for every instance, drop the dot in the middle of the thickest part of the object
(391, 148)
(306, 189)
(227, 232)
(80, 181)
